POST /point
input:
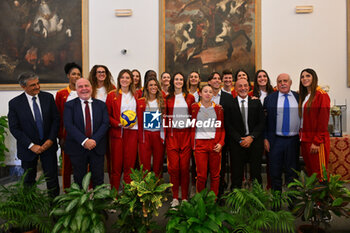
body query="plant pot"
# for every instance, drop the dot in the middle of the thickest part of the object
(310, 229)
(17, 230)
(32, 231)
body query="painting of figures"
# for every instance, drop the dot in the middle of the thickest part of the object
(39, 36)
(209, 35)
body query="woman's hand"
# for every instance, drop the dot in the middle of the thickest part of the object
(217, 148)
(314, 149)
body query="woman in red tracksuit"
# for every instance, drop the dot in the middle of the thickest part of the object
(193, 83)
(207, 142)
(136, 76)
(314, 108)
(151, 140)
(164, 80)
(73, 72)
(123, 140)
(178, 142)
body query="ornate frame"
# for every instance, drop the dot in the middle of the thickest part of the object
(84, 52)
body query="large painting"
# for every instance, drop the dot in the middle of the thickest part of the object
(209, 35)
(39, 36)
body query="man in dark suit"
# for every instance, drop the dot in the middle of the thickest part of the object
(86, 122)
(225, 100)
(34, 122)
(282, 132)
(246, 126)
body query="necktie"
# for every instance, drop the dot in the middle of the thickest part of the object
(243, 115)
(286, 116)
(38, 119)
(87, 120)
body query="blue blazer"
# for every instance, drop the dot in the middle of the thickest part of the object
(270, 107)
(74, 125)
(23, 127)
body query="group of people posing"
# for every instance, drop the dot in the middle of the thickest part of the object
(244, 121)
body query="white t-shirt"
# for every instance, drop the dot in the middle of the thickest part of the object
(196, 96)
(128, 103)
(203, 115)
(101, 94)
(263, 94)
(180, 112)
(303, 106)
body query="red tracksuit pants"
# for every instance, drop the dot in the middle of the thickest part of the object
(66, 171)
(314, 162)
(152, 144)
(179, 151)
(123, 153)
(206, 157)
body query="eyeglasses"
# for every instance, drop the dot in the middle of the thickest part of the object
(101, 72)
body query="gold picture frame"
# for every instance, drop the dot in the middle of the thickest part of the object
(35, 45)
(176, 23)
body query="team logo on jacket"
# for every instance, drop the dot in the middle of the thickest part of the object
(151, 120)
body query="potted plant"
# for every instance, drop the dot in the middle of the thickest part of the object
(3, 133)
(139, 201)
(316, 200)
(200, 214)
(83, 209)
(259, 210)
(25, 207)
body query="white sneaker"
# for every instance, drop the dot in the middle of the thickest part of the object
(175, 202)
(184, 200)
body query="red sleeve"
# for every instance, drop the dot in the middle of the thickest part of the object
(322, 117)
(221, 130)
(140, 108)
(191, 100)
(194, 113)
(111, 105)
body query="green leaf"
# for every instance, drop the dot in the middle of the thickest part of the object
(102, 194)
(84, 198)
(337, 202)
(74, 186)
(193, 220)
(74, 225)
(85, 224)
(201, 209)
(58, 212)
(211, 225)
(71, 205)
(79, 219)
(57, 227)
(86, 181)
(66, 221)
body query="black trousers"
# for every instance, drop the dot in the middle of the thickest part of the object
(49, 166)
(283, 157)
(224, 162)
(90, 159)
(239, 156)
